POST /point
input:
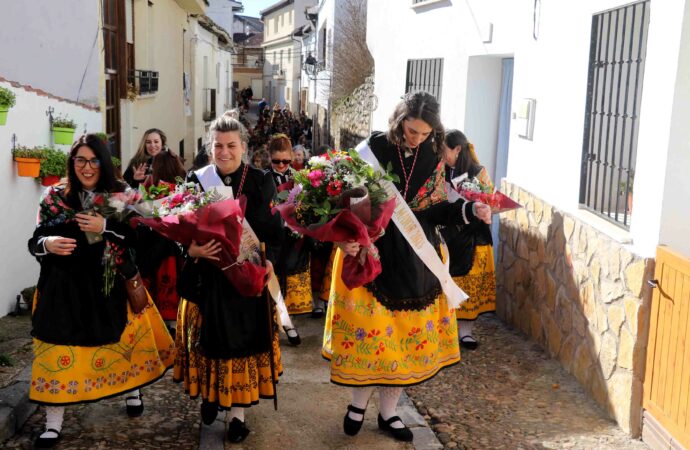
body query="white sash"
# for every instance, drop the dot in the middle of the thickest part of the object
(209, 179)
(411, 229)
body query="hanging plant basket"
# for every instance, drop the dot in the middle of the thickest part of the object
(3, 114)
(28, 167)
(63, 136)
(50, 180)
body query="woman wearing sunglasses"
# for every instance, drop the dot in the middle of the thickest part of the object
(88, 344)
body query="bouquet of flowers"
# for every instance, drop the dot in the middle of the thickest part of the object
(472, 189)
(340, 198)
(190, 214)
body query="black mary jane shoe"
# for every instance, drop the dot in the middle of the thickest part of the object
(293, 340)
(237, 431)
(468, 342)
(209, 412)
(135, 410)
(48, 442)
(401, 434)
(351, 426)
(317, 313)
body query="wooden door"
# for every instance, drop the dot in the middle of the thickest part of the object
(115, 57)
(667, 378)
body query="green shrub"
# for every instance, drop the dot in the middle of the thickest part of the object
(7, 98)
(102, 136)
(55, 163)
(28, 152)
(64, 122)
(116, 161)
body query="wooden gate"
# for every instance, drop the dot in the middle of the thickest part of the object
(667, 378)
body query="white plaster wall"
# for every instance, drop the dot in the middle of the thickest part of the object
(220, 11)
(19, 195)
(552, 70)
(675, 212)
(159, 44)
(327, 18)
(52, 46)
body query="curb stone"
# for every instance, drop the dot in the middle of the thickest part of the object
(424, 437)
(15, 407)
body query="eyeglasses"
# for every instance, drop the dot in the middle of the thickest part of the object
(281, 161)
(80, 162)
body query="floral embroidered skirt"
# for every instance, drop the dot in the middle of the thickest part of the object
(229, 382)
(298, 292)
(368, 344)
(64, 374)
(479, 284)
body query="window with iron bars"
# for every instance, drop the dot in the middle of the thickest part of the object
(143, 81)
(425, 75)
(614, 90)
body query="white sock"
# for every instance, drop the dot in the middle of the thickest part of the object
(360, 399)
(388, 402)
(54, 416)
(133, 401)
(465, 327)
(236, 412)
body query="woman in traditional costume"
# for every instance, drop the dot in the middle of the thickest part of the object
(224, 341)
(470, 246)
(157, 257)
(88, 344)
(398, 330)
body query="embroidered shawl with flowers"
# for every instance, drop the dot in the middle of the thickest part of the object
(405, 283)
(71, 307)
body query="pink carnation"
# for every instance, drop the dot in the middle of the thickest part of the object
(315, 177)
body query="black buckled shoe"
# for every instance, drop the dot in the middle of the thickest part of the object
(468, 342)
(293, 336)
(135, 410)
(401, 434)
(317, 312)
(48, 442)
(351, 426)
(209, 412)
(237, 431)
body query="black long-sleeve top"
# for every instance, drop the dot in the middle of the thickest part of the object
(405, 282)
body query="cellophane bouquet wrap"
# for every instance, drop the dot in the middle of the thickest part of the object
(190, 214)
(340, 198)
(472, 189)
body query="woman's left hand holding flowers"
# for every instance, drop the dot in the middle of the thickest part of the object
(94, 222)
(483, 212)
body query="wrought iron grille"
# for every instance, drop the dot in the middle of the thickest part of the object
(143, 81)
(425, 75)
(614, 87)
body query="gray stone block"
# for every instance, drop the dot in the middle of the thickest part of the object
(8, 423)
(425, 439)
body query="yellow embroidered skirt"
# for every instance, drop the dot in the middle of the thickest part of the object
(64, 374)
(298, 292)
(368, 344)
(229, 382)
(479, 284)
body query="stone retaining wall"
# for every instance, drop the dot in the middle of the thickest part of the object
(580, 295)
(351, 118)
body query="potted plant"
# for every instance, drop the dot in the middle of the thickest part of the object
(63, 130)
(118, 166)
(7, 100)
(28, 160)
(53, 166)
(623, 187)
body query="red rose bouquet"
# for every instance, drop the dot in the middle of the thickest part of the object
(476, 191)
(339, 198)
(190, 214)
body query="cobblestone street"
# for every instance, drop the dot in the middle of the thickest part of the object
(507, 394)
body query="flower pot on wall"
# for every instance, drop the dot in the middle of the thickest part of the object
(50, 180)
(63, 136)
(28, 167)
(3, 114)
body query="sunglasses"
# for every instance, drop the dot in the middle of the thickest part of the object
(281, 161)
(80, 162)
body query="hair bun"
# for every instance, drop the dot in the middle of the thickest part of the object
(232, 113)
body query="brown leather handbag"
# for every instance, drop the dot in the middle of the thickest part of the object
(136, 291)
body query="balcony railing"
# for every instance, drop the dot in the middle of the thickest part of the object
(209, 104)
(143, 81)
